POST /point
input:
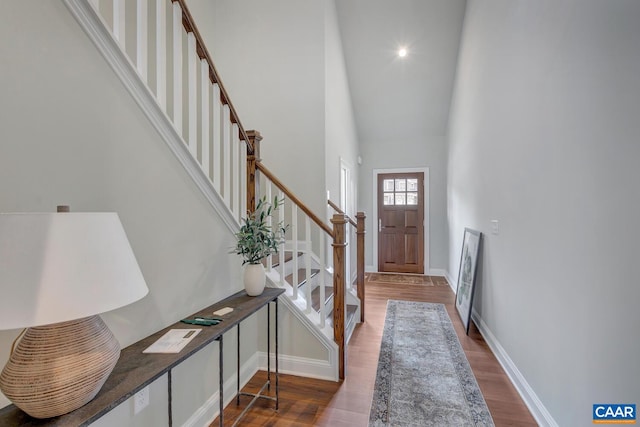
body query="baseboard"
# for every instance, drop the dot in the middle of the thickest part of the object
(300, 366)
(438, 272)
(205, 415)
(450, 281)
(538, 410)
(370, 269)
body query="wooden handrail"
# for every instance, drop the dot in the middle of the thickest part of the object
(190, 27)
(294, 199)
(338, 210)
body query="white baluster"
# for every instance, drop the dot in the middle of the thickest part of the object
(294, 237)
(204, 115)
(96, 5)
(323, 279)
(226, 155)
(192, 84)
(119, 23)
(270, 224)
(281, 250)
(177, 67)
(161, 53)
(142, 27)
(243, 176)
(217, 129)
(235, 164)
(307, 261)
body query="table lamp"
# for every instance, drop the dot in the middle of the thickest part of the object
(58, 272)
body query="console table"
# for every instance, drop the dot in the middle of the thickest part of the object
(135, 370)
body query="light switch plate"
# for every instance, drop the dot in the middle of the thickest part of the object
(495, 227)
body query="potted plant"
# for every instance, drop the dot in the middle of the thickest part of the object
(256, 240)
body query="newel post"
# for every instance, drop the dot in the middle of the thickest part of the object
(360, 232)
(339, 222)
(253, 157)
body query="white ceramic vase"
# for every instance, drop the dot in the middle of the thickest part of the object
(254, 279)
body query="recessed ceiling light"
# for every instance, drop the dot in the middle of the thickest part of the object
(402, 52)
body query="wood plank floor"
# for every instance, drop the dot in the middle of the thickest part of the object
(310, 402)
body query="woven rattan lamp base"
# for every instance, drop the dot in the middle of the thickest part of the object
(56, 369)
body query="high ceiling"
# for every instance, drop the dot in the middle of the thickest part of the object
(395, 98)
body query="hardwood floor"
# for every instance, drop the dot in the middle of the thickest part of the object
(310, 402)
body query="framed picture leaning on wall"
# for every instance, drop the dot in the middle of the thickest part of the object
(467, 275)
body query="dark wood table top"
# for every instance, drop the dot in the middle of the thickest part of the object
(135, 370)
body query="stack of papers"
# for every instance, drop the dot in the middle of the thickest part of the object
(173, 341)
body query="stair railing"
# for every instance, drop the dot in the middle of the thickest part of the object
(210, 130)
(260, 180)
(203, 117)
(359, 228)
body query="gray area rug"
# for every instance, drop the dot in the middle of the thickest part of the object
(424, 378)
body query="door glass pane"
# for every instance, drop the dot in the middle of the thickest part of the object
(401, 199)
(387, 185)
(388, 199)
(412, 185)
(412, 198)
(401, 185)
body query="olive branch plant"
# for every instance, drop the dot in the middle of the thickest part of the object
(256, 239)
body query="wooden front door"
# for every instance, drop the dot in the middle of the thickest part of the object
(401, 222)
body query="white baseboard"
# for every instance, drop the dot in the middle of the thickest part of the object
(538, 410)
(370, 269)
(452, 284)
(301, 366)
(205, 415)
(438, 272)
(313, 368)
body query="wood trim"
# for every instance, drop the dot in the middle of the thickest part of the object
(360, 233)
(293, 198)
(338, 210)
(190, 27)
(339, 222)
(253, 157)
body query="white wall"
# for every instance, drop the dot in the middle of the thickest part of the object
(71, 134)
(544, 138)
(270, 56)
(401, 105)
(341, 139)
(408, 154)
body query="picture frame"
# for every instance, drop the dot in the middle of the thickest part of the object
(467, 275)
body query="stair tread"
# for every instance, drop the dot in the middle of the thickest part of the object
(315, 296)
(350, 315)
(302, 275)
(288, 256)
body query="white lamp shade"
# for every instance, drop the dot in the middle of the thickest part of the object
(56, 267)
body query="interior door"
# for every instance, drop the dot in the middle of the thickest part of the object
(401, 222)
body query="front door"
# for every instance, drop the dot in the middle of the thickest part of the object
(401, 222)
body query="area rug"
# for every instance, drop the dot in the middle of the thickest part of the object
(423, 377)
(407, 279)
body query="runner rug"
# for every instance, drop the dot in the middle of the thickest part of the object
(423, 377)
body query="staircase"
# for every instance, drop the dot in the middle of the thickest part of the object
(156, 50)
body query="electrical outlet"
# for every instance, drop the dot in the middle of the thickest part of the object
(140, 400)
